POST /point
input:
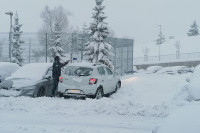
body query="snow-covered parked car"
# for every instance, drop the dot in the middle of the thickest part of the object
(30, 80)
(153, 69)
(183, 120)
(184, 70)
(174, 70)
(194, 86)
(6, 69)
(84, 79)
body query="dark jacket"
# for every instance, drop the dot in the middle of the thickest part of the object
(56, 72)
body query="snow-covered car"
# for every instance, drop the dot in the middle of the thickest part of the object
(173, 70)
(153, 69)
(32, 80)
(194, 85)
(183, 120)
(184, 70)
(84, 79)
(6, 69)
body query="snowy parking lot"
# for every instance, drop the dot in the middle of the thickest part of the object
(141, 104)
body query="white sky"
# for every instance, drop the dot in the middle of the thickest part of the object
(138, 19)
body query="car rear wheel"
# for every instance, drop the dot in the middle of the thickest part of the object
(41, 92)
(99, 94)
(117, 87)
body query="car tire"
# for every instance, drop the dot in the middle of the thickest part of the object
(117, 87)
(41, 92)
(99, 93)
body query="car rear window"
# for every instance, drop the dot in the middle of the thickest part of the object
(78, 71)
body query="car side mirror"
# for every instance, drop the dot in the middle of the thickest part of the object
(47, 77)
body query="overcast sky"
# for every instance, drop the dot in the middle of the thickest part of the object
(137, 19)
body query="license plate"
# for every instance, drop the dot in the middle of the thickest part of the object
(74, 91)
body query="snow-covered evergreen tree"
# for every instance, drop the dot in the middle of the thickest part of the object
(97, 49)
(16, 48)
(193, 31)
(56, 49)
(161, 38)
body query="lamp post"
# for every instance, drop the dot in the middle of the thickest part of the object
(10, 33)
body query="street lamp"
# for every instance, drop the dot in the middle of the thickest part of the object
(10, 33)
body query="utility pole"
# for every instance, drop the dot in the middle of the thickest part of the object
(71, 47)
(82, 39)
(10, 33)
(160, 39)
(29, 50)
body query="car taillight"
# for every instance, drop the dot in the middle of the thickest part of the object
(61, 79)
(92, 81)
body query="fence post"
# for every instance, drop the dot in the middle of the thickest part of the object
(29, 51)
(46, 47)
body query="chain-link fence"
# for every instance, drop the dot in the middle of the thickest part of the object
(36, 49)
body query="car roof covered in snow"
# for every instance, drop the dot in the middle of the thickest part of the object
(33, 71)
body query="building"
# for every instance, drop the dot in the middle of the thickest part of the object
(123, 54)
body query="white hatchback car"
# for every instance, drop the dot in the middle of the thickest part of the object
(84, 79)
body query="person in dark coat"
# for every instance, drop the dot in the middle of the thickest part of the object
(56, 73)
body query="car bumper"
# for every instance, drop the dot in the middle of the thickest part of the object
(75, 91)
(79, 94)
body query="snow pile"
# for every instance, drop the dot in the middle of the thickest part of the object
(183, 120)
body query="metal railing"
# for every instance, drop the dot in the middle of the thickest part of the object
(167, 58)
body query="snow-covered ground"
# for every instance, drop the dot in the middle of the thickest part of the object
(141, 104)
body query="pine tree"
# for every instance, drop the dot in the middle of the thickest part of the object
(193, 31)
(97, 49)
(161, 38)
(56, 49)
(16, 48)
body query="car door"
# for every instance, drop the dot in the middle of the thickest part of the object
(102, 79)
(110, 79)
(49, 82)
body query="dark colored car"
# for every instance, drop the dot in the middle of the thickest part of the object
(34, 80)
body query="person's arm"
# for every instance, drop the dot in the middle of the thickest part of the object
(65, 63)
